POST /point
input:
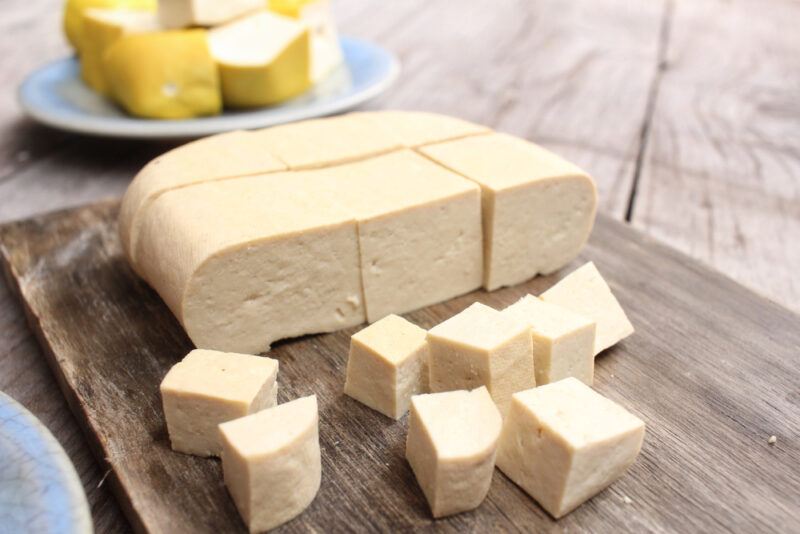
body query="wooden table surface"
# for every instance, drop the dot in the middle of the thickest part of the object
(685, 111)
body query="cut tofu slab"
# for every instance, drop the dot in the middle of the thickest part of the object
(419, 230)
(184, 13)
(416, 128)
(207, 388)
(451, 446)
(585, 292)
(217, 157)
(245, 262)
(563, 443)
(482, 347)
(563, 342)
(387, 365)
(263, 59)
(538, 209)
(101, 28)
(271, 462)
(324, 142)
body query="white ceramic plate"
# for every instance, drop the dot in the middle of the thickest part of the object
(55, 95)
(39, 488)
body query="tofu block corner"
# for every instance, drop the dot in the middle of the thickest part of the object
(207, 388)
(563, 443)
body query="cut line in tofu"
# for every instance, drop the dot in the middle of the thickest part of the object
(419, 230)
(538, 209)
(244, 262)
(223, 156)
(319, 143)
(585, 292)
(416, 128)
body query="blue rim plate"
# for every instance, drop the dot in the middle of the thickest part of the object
(55, 95)
(39, 488)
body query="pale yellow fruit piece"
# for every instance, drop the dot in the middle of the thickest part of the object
(101, 29)
(164, 75)
(74, 9)
(326, 54)
(263, 59)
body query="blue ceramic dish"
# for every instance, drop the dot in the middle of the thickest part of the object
(55, 95)
(39, 488)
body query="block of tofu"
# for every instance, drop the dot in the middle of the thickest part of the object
(419, 230)
(387, 365)
(185, 13)
(324, 142)
(212, 158)
(481, 347)
(563, 341)
(563, 443)
(584, 292)
(244, 262)
(271, 462)
(451, 446)
(416, 128)
(538, 209)
(207, 388)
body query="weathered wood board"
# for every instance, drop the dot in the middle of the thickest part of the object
(712, 369)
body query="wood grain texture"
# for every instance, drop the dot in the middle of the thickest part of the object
(573, 76)
(721, 173)
(712, 370)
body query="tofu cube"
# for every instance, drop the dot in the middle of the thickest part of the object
(584, 292)
(388, 363)
(538, 209)
(482, 347)
(451, 446)
(563, 342)
(207, 388)
(563, 443)
(271, 462)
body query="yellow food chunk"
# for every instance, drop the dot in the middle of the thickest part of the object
(74, 10)
(101, 29)
(263, 59)
(164, 75)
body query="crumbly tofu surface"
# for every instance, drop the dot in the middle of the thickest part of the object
(563, 342)
(451, 446)
(538, 209)
(207, 388)
(563, 443)
(387, 365)
(178, 14)
(212, 158)
(417, 128)
(245, 262)
(585, 292)
(419, 230)
(271, 462)
(482, 347)
(325, 142)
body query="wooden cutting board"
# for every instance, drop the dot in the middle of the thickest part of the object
(712, 369)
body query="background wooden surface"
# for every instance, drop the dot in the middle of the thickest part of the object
(686, 112)
(705, 371)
